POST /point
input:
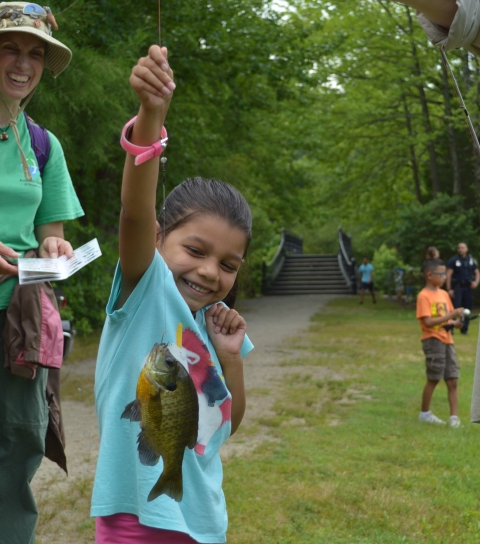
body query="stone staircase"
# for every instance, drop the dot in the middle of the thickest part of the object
(309, 274)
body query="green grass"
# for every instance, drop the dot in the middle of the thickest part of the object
(64, 515)
(350, 462)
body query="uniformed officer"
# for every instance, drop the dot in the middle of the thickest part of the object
(462, 277)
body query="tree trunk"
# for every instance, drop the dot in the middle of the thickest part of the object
(413, 156)
(452, 139)
(426, 116)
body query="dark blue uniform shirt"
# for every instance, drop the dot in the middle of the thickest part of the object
(463, 270)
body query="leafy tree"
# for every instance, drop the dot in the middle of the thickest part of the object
(442, 222)
(322, 112)
(385, 260)
(236, 65)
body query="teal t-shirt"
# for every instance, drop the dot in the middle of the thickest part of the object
(152, 314)
(27, 204)
(366, 271)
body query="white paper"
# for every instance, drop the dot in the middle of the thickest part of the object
(37, 270)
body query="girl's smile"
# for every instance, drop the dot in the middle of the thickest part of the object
(204, 256)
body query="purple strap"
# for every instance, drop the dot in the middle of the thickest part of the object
(40, 142)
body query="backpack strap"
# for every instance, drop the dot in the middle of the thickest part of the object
(40, 142)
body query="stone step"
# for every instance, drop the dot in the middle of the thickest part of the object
(308, 291)
(310, 274)
(309, 269)
(309, 262)
(313, 256)
(312, 263)
(311, 281)
(320, 262)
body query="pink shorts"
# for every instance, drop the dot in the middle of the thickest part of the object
(126, 529)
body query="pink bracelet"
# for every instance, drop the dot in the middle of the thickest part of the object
(142, 154)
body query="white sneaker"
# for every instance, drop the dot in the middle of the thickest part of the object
(454, 422)
(428, 417)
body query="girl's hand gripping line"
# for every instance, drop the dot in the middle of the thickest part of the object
(152, 79)
(226, 329)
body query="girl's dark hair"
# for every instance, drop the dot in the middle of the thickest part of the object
(207, 196)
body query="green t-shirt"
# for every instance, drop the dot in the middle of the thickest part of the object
(27, 204)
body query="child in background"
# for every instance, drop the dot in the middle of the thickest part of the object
(410, 285)
(398, 279)
(174, 270)
(435, 309)
(366, 279)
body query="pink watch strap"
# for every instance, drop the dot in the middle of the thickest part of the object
(143, 154)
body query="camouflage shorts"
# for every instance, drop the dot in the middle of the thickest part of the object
(440, 359)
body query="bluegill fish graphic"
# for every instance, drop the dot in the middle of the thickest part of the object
(166, 406)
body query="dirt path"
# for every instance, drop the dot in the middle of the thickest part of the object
(270, 321)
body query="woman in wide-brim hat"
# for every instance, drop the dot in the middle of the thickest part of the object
(36, 196)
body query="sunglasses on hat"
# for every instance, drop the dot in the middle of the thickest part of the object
(34, 10)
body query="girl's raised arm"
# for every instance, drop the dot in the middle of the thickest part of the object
(152, 81)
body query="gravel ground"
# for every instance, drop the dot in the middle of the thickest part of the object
(270, 322)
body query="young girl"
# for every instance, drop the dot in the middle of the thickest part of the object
(172, 274)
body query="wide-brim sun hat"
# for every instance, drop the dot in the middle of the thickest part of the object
(30, 18)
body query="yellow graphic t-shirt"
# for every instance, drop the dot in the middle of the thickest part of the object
(434, 304)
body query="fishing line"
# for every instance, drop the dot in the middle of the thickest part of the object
(163, 162)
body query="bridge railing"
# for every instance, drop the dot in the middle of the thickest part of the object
(346, 260)
(289, 244)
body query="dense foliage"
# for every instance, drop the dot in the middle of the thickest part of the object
(323, 113)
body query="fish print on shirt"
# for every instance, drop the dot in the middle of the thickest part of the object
(214, 400)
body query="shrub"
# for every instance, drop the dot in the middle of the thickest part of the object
(385, 260)
(443, 222)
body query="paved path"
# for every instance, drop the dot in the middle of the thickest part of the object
(270, 322)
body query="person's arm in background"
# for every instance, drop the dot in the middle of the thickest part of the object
(441, 12)
(476, 281)
(448, 283)
(432, 321)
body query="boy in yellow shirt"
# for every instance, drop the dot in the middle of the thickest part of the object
(435, 309)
